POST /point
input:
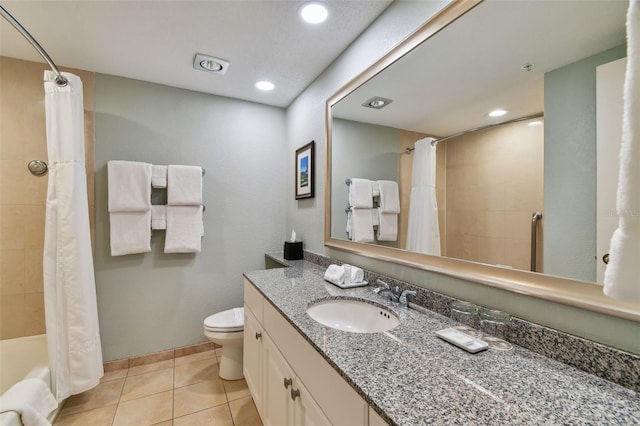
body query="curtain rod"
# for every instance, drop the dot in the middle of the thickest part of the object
(477, 129)
(60, 79)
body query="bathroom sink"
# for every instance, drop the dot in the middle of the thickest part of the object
(353, 315)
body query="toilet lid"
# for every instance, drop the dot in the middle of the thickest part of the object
(229, 320)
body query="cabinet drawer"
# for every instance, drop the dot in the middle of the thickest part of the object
(340, 403)
(254, 300)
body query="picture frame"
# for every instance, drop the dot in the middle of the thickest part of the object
(304, 178)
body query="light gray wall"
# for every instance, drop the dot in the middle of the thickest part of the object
(305, 121)
(371, 153)
(154, 301)
(570, 167)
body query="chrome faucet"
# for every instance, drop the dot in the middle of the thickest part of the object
(403, 297)
(386, 291)
(394, 294)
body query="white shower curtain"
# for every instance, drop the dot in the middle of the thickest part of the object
(423, 235)
(73, 338)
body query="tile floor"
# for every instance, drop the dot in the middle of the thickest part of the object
(183, 391)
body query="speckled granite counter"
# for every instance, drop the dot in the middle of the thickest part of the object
(411, 377)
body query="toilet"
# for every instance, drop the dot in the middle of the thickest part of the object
(226, 329)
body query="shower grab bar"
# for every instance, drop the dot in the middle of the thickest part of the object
(534, 238)
(60, 79)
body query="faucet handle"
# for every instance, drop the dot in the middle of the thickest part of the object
(404, 297)
(383, 286)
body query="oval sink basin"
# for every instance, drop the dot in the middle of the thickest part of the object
(353, 315)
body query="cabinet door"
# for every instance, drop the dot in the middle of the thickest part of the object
(278, 411)
(306, 412)
(252, 357)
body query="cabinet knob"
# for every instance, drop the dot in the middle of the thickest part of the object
(287, 382)
(258, 335)
(294, 393)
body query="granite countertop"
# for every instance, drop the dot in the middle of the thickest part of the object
(411, 377)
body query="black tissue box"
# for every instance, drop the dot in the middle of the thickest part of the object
(293, 251)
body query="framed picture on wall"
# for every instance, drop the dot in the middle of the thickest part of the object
(304, 171)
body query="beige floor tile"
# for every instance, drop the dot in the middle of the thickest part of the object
(112, 375)
(147, 384)
(97, 417)
(145, 368)
(167, 423)
(198, 396)
(196, 357)
(107, 393)
(216, 416)
(244, 412)
(236, 389)
(145, 411)
(194, 372)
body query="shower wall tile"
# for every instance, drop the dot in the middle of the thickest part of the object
(12, 272)
(23, 196)
(493, 185)
(11, 316)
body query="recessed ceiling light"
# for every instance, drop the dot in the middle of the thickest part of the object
(265, 85)
(376, 102)
(497, 113)
(535, 123)
(211, 64)
(314, 13)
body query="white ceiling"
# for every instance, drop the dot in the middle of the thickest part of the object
(156, 41)
(450, 83)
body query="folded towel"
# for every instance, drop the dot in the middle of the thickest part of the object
(352, 274)
(130, 232)
(375, 188)
(334, 274)
(360, 193)
(389, 196)
(158, 217)
(129, 186)
(159, 176)
(387, 226)
(184, 229)
(31, 399)
(184, 185)
(362, 225)
(357, 274)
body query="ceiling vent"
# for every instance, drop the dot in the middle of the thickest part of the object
(210, 64)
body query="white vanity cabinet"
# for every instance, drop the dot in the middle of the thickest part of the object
(291, 383)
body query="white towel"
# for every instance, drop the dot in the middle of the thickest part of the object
(362, 225)
(354, 275)
(130, 232)
(375, 188)
(334, 274)
(389, 196)
(621, 279)
(159, 176)
(361, 193)
(184, 185)
(31, 399)
(158, 217)
(387, 226)
(184, 229)
(129, 186)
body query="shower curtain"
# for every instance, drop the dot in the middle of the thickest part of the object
(423, 235)
(71, 314)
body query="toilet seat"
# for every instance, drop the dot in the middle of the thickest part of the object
(229, 321)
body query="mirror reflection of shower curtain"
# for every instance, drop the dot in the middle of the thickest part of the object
(71, 312)
(423, 234)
